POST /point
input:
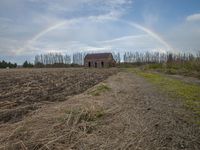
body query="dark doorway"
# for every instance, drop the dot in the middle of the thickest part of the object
(95, 64)
(102, 64)
(89, 64)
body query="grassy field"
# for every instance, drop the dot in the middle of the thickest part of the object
(188, 93)
(186, 69)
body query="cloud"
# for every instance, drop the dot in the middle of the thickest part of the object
(113, 15)
(185, 36)
(125, 38)
(142, 42)
(71, 8)
(44, 16)
(193, 17)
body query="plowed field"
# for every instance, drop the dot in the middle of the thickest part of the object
(24, 90)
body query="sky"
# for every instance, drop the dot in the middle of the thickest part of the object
(31, 27)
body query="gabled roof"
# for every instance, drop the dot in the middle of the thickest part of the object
(98, 56)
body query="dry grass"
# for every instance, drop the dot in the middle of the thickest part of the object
(100, 89)
(64, 129)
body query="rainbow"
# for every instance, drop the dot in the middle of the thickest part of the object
(148, 31)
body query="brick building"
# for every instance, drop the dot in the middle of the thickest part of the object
(99, 60)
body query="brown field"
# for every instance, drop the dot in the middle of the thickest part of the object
(101, 109)
(24, 90)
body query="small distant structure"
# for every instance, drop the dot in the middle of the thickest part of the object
(99, 60)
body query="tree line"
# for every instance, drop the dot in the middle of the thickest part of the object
(77, 59)
(127, 57)
(4, 64)
(186, 62)
(52, 59)
(156, 57)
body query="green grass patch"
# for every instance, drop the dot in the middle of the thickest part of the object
(100, 89)
(189, 93)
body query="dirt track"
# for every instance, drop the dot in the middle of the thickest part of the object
(132, 114)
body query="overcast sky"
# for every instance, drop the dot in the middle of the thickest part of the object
(30, 27)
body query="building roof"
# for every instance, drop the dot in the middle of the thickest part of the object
(98, 56)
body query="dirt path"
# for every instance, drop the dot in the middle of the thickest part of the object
(129, 114)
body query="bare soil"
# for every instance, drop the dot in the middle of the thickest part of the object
(24, 90)
(129, 113)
